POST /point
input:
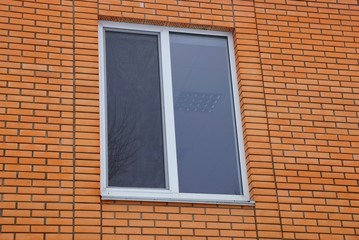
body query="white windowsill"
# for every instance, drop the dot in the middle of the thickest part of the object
(168, 196)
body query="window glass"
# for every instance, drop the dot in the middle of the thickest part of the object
(207, 154)
(134, 118)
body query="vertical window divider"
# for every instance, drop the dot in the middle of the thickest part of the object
(169, 121)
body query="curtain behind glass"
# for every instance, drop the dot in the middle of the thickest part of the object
(206, 138)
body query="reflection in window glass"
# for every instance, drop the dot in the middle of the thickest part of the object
(134, 118)
(207, 153)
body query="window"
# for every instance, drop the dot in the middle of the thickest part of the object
(170, 125)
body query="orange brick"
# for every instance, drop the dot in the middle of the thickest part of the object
(297, 72)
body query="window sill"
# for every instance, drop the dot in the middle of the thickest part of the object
(167, 196)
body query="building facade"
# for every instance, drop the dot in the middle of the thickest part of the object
(297, 67)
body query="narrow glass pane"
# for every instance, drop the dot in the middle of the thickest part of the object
(134, 119)
(207, 153)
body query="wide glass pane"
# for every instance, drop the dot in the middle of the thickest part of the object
(207, 153)
(134, 119)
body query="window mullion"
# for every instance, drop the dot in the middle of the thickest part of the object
(169, 122)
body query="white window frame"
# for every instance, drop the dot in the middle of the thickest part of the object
(171, 194)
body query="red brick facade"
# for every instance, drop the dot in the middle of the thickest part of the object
(298, 75)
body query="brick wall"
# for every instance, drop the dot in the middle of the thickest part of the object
(297, 64)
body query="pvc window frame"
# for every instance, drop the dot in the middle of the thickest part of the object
(171, 194)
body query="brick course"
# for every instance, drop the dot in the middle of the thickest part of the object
(297, 65)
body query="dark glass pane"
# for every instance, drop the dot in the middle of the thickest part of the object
(206, 139)
(134, 120)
